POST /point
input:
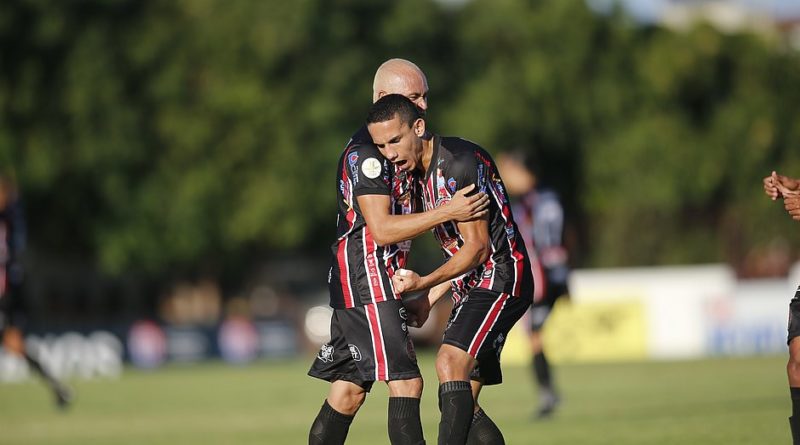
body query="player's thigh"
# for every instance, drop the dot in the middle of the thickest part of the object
(380, 344)
(480, 326)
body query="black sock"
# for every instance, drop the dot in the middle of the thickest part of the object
(542, 370)
(330, 427)
(794, 421)
(455, 402)
(483, 431)
(405, 428)
(34, 363)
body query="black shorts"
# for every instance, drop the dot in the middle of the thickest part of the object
(540, 310)
(480, 325)
(794, 317)
(368, 343)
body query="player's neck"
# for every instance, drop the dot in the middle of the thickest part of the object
(427, 152)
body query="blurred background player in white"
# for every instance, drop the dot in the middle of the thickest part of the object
(776, 187)
(540, 218)
(12, 313)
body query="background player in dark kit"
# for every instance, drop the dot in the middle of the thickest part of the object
(12, 308)
(369, 335)
(778, 186)
(486, 263)
(540, 217)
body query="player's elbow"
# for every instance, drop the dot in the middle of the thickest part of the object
(480, 252)
(382, 237)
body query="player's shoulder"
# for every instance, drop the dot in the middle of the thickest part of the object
(463, 152)
(360, 137)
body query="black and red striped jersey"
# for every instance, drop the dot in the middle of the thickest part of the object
(455, 164)
(361, 270)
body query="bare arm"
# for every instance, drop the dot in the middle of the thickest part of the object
(474, 252)
(390, 229)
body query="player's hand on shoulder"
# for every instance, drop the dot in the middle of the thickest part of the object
(468, 208)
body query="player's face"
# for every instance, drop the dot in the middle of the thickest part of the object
(414, 87)
(398, 142)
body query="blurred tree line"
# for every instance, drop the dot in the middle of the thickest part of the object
(183, 136)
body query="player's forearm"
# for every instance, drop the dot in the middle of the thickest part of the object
(437, 292)
(468, 257)
(392, 229)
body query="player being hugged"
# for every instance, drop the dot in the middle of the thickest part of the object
(486, 263)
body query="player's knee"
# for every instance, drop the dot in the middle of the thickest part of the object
(452, 365)
(406, 388)
(347, 402)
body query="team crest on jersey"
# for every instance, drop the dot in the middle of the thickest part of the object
(355, 352)
(371, 168)
(451, 184)
(326, 353)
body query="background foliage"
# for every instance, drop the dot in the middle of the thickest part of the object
(177, 136)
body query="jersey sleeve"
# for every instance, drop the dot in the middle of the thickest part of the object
(370, 171)
(463, 171)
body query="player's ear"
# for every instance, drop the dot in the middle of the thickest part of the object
(419, 127)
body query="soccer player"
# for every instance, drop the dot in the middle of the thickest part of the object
(779, 186)
(12, 243)
(369, 335)
(486, 264)
(540, 218)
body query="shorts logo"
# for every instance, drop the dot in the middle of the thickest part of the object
(498, 343)
(403, 313)
(355, 352)
(326, 353)
(371, 168)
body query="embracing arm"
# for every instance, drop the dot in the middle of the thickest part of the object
(474, 252)
(390, 229)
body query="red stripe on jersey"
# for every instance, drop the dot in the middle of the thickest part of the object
(344, 273)
(379, 351)
(486, 326)
(371, 266)
(341, 253)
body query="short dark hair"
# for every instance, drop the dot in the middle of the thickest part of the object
(391, 105)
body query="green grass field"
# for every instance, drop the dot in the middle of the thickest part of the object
(724, 401)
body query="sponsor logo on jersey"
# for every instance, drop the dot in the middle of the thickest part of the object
(451, 184)
(371, 168)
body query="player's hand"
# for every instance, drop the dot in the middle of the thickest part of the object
(786, 186)
(792, 205)
(405, 280)
(467, 208)
(770, 187)
(418, 309)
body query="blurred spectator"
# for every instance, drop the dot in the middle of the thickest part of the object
(540, 218)
(12, 307)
